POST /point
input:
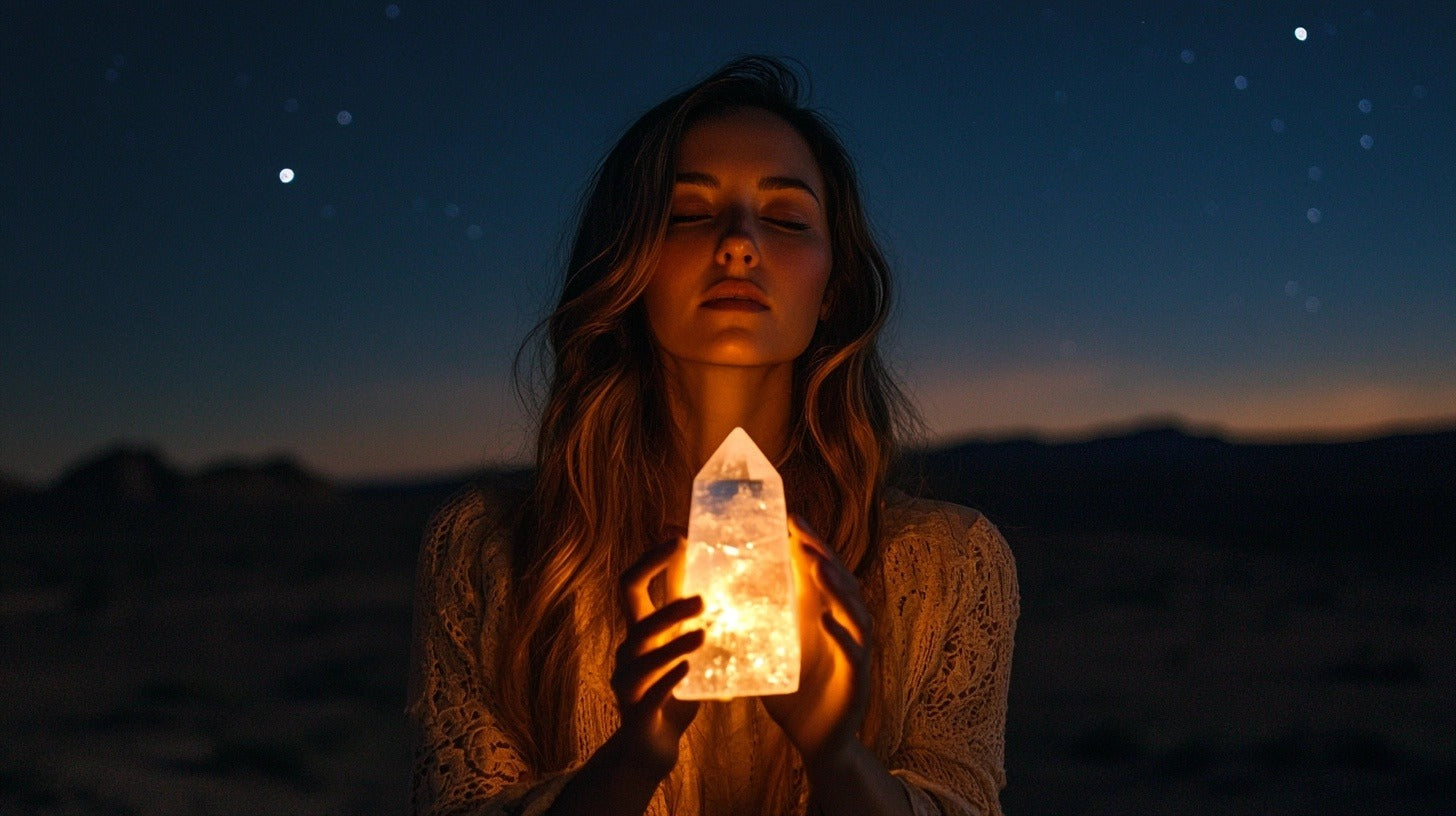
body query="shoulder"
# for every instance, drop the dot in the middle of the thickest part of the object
(470, 533)
(951, 530)
(483, 509)
(938, 544)
(453, 520)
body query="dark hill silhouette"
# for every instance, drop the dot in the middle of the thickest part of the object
(129, 505)
(128, 510)
(135, 476)
(276, 481)
(119, 475)
(1394, 491)
(12, 487)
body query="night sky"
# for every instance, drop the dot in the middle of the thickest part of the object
(1238, 215)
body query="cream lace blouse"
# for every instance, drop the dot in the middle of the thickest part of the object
(943, 642)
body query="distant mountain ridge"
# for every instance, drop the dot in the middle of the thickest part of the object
(1394, 490)
(1392, 493)
(13, 487)
(123, 475)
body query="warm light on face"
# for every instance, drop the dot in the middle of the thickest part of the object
(745, 209)
(738, 560)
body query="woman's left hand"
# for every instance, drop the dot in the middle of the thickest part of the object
(824, 716)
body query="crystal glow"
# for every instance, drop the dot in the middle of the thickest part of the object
(738, 560)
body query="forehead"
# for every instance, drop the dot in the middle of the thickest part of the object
(751, 142)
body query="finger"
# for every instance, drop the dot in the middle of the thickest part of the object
(642, 633)
(680, 712)
(858, 630)
(810, 541)
(835, 579)
(800, 530)
(638, 674)
(656, 695)
(634, 597)
(844, 594)
(809, 546)
(675, 573)
(853, 646)
(833, 573)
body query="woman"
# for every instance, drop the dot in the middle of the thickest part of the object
(722, 275)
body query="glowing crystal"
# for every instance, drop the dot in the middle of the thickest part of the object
(738, 560)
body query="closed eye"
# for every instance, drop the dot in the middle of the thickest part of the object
(788, 224)
(782, 223)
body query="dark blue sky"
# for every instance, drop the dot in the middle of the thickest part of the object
(1093, 218)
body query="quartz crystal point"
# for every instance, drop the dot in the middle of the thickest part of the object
(738, 560)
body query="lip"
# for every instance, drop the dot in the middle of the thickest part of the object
(734, 305)
(735, 295)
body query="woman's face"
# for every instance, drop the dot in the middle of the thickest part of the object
(741, 276)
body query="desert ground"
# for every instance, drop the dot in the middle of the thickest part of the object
(1152, 674)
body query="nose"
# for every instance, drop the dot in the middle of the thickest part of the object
(737, 246)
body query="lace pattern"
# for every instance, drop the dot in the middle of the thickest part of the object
(944, 642)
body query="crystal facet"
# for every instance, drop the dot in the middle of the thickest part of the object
(738, 560)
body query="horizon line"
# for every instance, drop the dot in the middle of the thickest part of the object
(1085, 433)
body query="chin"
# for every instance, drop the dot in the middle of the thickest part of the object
(736, 347)
(744, 357)
(740, 358)
(728, 354)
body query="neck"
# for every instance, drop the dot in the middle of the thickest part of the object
(709, 401)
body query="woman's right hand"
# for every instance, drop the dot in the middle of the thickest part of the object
(649, 665)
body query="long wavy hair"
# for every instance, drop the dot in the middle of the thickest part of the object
(610, 467)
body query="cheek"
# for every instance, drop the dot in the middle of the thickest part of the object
(669, 296)
(665, 281)
(658, 301)
(811, 285)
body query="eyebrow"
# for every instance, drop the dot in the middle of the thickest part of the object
(765, 183)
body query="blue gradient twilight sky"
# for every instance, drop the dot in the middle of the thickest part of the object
(1095, 215)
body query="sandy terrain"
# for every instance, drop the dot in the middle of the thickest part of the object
(209, 694)
(1158, 676)
(1151, 676)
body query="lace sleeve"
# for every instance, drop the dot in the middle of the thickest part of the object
(464, 763)
(951, 760)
